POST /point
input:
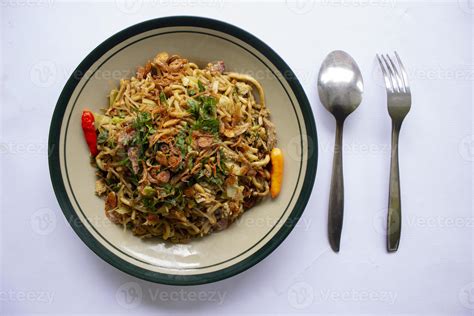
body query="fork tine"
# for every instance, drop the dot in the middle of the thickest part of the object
(392, 75)
(398, 77)
(404, 74)
(388, 83)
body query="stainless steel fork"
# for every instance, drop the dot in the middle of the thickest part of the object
(399, 103)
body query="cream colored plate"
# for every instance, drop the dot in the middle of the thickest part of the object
(261, 229)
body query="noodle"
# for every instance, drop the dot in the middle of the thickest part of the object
(183, 151)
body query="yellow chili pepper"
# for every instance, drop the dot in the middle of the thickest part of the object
(277, 171)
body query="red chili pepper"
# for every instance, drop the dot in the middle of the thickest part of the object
(89, 131)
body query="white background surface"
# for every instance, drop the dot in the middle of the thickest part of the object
(45, 267)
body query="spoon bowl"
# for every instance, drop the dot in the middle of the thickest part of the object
(340, 84)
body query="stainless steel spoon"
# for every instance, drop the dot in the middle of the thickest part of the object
(340, 88)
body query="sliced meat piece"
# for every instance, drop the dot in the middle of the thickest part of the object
(217, 66)
(133, 156)
(163, 176)
(205, 141)
(111, 201)
(271, 134)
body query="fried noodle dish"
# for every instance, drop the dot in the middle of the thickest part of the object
(181, 151)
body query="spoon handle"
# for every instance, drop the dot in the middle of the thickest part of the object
(394, 204)
(336, 195)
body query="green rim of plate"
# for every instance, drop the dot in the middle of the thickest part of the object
(65, 203)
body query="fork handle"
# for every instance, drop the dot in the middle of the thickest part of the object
(394, 218)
